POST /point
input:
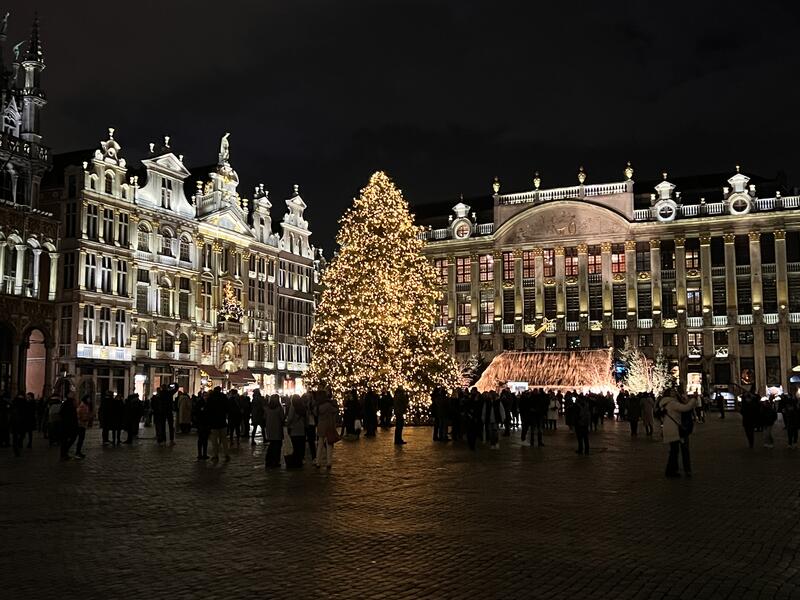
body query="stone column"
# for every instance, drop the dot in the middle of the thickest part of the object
(497, 264)
(82, 269)
(655, 279)
(518, 290)
(84, 218)
(2, 265)
(608, 300)
(705, 277)
(51, 292)
(451, 292)
(474, 302)
(730, 277)
(561, 308)
(784, 332)
(759, 347)
(680, 277)
(21, 248)
(114, 276)
(583, 294)
(538, 264)
(36, 255)
(630, 280)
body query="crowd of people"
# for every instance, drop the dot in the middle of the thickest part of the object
(292, 427)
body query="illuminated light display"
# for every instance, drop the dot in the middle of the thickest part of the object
(375, 322)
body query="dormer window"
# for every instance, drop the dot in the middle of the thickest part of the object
(109, 183)
(9, 125)
(166, 193)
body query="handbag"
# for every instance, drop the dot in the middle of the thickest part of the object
(287, 447)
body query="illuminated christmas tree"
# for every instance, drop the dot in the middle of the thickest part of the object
(375, 323)
(231, 306)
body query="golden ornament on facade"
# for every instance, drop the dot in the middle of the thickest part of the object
(596, 326)
(754, 236)
(583, 248)
(538, 252)
(705, 239)
(559, 250)
(680, 242)
(780, 234)
(571, 280)
(729, 237)
(605, 247)
(655, 243)
(508, 284)
(630, 245)
(487, 285)
(670, 323)
(617, 277)
(474, 257)
(497, 254)
(693, 274)
(463, 330)
(644, 276)
(549, 282)
(529, 329)
(216, 247)
(517, 253)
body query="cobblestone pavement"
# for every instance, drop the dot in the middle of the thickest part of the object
(427, 520)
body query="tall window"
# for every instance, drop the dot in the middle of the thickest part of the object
(122, 229)
(550, 302)
(528, 265)
(486, 267)
(88, 324)
(463, 312)
(744, 300)
(69, 270)
(694, 303)
(105, 274)
(720, 298)
(166, 243)
(108, 225)
(183, 344)
(262, 286)
(487, 308)
(142, 294)
(184, 253)
(619, 300)
(105, 326)
(549, 256)
(143, 239)
(91, 221)
(90, 271)
(508, 266)
(644, 300)
(119, 328)
(463, 269)
(595, 260)
(442, 315)
(529, 305)
(595, 302)
(109, 183)
(693, 254)
(165, 301)
(70, 219)
(206, 300)
(617, 258)
(667, 255)
(122, 278)
(440, 266)
(141, 339)
(669, 308)
(570, 261)
(573, 303)
(183, 299)
(166, 193)
(642, 257)
(65, 329)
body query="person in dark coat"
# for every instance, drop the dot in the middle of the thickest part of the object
(105, 415)
(5, 419)
(634, 413)
(274, 417)
(234, 417)
(582, 419)
(245, 408)
(68, 414)
(217, 419)
(117, 418)
(31, 422)
(18, 423)
(791, 419)
(370, 413)
(200, 418)
(385, 404)
(131, 416)
(163, 412)
(751, 416)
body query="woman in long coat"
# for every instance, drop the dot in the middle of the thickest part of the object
(672, 409)
(327, 412)
(274, 417)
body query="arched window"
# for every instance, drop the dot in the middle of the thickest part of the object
(166, 193)
(143, 240)
(184, 344)
(109, 183)
(166, 243)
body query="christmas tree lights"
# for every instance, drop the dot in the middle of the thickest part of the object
(375, 323)
(231, 306)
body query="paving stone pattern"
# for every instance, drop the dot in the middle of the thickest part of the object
(427, 520)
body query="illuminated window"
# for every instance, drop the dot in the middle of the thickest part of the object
(464, 312)
(617, 258)
(463, 269)
(440, 265)
(549, 262)
(694, 303)
(528, 265)
(508, 266)
(595, 261)
(642, 257)
(486, 267)
(570, 261)
(487, 308)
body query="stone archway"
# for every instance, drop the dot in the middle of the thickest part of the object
(35, 361)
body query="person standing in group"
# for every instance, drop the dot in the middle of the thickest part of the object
(473, 419)
(17, 421)
(117, 418)
(582, 418)
(327, 436)
(274, 418)
(162, 414)
(69, 426)
(245, 410)
(105, 415)
(671, 409)
(400, 408)
(31, 421)
(296, 426)
(200, 418)
(184, 412)
(132, 416)
(370, 413)
(311, 424)
(648, 404)
(234, 417)
(768, 417)
(634, 413)
(750, 409)
(385, 404)
(494, 417)
(217, 420)
(257, 415)
(791, 420)
(721, 405)
(84, 422)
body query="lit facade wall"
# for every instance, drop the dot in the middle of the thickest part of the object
(714, 285)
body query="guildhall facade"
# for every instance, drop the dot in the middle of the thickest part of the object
(706, 269)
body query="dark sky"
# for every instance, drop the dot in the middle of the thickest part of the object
(443, 95)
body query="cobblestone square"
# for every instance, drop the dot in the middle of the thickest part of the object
(428, 520)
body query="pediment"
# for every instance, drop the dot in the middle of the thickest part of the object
(562, 220)
(228, 219)
(168, 162)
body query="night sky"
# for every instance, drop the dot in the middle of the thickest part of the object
(442, 95)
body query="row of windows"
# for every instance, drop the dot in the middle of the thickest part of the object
(97, 326)
(643, 254)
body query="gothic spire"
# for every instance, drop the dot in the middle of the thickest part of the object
(34, 52)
